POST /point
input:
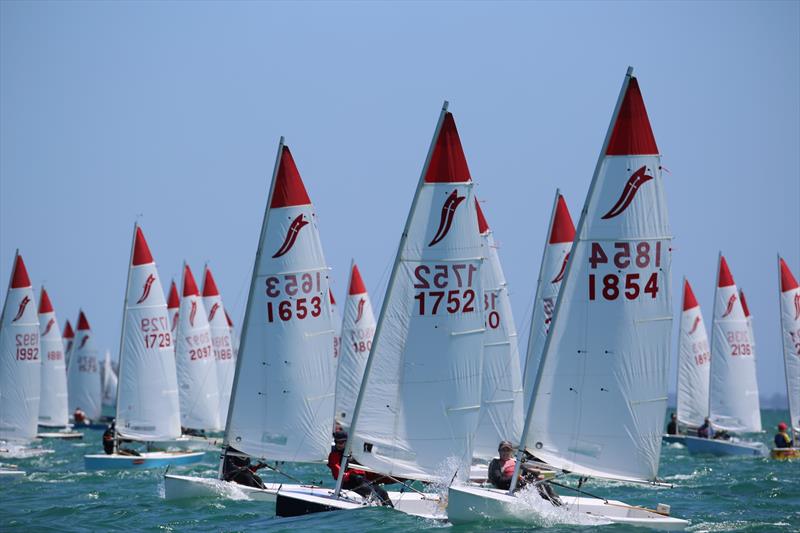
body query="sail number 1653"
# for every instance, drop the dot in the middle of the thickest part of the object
(625, 256)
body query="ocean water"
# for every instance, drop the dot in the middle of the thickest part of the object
(732, 494)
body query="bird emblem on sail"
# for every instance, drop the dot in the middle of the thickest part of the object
(291, 235)
(360, 312)
(22, 305)
(174, 322)
(636, 180)
(192, 313)
(214, 309)
(731, 301)
(50, 325)
(797, 306)
(83, 341)
(446, 218)
(560, 275)
(694, 326)
(146, 289)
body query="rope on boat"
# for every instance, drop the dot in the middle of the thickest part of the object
(605, 501)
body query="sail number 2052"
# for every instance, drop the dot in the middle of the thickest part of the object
(625, 256)
(444, 288)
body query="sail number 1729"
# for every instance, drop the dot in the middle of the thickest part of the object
(626, 256)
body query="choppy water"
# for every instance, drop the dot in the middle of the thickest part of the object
(733, 494)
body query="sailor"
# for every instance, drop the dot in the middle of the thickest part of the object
(80, 417)
(354, 479)
(237, 468)
(109, 436)
(501, 470)
(672, 427)
(782, 438)
(706, 431)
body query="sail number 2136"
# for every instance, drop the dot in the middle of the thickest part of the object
(625, 256)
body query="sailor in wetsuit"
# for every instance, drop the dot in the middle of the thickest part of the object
(501, 471)
(237, 468)
(109, 436)
(356, 480)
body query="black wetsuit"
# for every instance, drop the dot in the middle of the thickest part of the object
(239, 470)
(672, 428)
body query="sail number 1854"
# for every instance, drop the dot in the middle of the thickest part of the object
(625, 256)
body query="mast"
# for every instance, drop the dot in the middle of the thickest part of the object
(384, 305)
(578, 232)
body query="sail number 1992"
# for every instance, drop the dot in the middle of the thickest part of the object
(625, 256)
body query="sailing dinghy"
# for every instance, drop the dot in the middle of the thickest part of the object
(790, 332)
(733, 390)
(601, 387)
(53, 411)
(220, 341)
(420, 398)
(83, 376)
(20, 368)
(147, 395)
(694, 358)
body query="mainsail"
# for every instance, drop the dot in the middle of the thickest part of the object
(601, 390)
(53, 402)
(147, 394)
(358, 330)
(418, 407)
(69, 338)
(561, 233)
(20, 359)
(110, 383)
(734, 404)
(694, 358)
(501, 391)
(173, 311)
(83, 373)
(282, 401)
(194, 361)
(336, 320)
(220, 340)
(790, 329)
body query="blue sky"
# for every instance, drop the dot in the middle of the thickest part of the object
(171, 112)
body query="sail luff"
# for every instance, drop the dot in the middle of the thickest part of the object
(124, 317)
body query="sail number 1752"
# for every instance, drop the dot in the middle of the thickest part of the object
(458, 278)
(625, 256)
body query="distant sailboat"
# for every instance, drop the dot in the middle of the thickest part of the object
(69, 338)
(234, 335)
(147, 395)
(790, 333)
(173, 311)
(110, 382)
(83, 374)
(601, 388)
(221, 342)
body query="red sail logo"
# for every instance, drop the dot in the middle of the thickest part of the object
(50, 325)
(146, 291)
(214, 309)
(631, 188)
(560, 275)
(291, 235)
(361, 303)
(192, 313)
(446, 218)
(69, 346)
(22, 305)
(174, 322)
(797, 306)
(83, 341)
(731, 301)
(694, 326)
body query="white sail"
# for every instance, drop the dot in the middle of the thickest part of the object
(358, 329)
(110, 382)
(83, 373)
(790, 329)
(69, 340)
(336, 320)
(733, 389)
(561, 233)
(194, 361)
(420, 403)
(221, 341)
(147, 397)
(501, 391)
(694, 358)
(53, 403)
(173, 311)
(282, 401)
(20, 359)
(601, 390)
(234, 336)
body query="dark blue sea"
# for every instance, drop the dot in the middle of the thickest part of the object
(731, 494)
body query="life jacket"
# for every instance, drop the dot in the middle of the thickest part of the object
(782, 440)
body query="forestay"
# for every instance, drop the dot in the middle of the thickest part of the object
(358, 328)
(53, 404)
(790, 329)
(551, 273)
(694, 359)
(83, 373)
(220, 340)
(194, 361)
(421, 401)
(601, 393)
(501, 390)
(147, 394)
(282, 401)
(734, 404)
(20, 359)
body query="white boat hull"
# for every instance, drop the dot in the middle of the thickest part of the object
(189, 442)
(188, 487)
(474, 504)
(69, 435)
